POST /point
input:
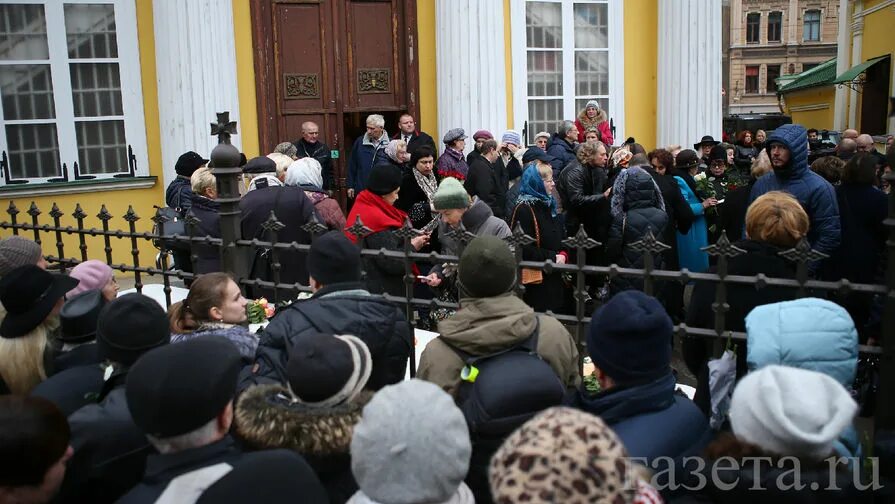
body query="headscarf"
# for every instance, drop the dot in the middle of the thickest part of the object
(305, 172)
(392, 151)
(619, 190)
(532, 189)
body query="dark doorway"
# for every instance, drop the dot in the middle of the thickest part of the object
(875, 98)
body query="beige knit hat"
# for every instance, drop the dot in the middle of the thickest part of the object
(16, 251)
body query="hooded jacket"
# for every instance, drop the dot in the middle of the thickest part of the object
(809, 333)
(265, 418)
(815, 194)
(487, 325)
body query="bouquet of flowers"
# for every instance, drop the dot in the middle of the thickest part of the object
(260, 310)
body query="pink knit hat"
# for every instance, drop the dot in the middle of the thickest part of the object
(93, 274)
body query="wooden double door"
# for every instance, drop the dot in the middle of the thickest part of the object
(333, 62)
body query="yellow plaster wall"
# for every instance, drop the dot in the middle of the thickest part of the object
(641, 65)
(245, 78)
(428, 99)
(821, 118)
(116, 202)
(508, 60)
(877, 39)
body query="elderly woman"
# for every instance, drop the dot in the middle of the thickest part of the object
(541, 140)
(594, 116)
(536, 213)
(452, 163)
(418, 187)
(375, 206)
(307, 174)
(205, 209)
(689, 245)
(397, 154)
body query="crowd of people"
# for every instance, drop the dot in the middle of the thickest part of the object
(109, 398)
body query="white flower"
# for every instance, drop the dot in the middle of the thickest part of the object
(699, 176)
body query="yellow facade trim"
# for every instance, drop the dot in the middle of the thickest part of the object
(428, 98)
(641, 66)
(245, 78)
(508, 60)
(807, 108)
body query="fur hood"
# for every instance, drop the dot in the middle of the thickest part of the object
(587, 122)
(265, 419)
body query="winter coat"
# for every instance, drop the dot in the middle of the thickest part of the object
(244, 340)
(319, 151)
(452, 163)
(640, 210)
(487, 325)
(689, 245)
(602, 123)
(365, 154)
(484, 181)
(509, 168)
(209, 256)
(551, 294)
(73, 388)
(581, 189)
(417, 139)
(651, 419)
(183, 472)
(478, 220)
(265, 419)
(863, 208)
(413, 201)
(385, 275)
(82, 355)
(562, 151)
(327, 208)
(294, 210)
(180, 194)
(339, 309)
(680, 215)
(815, 194)
(743, 156)
(110, 450)
(809, 335)
(733, 219)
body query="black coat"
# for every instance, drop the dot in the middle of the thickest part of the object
(680, 216)
(208, 258)
(179, 194)
(72, 389)
(337, 309)
(417, 139)
(484, 181)
(82, 355)
(733, 218)
(581, 189)
(549, 295)
(384, 274)
(862, 210)
(413, 201)
(293, 209)
(562, 151)
(319, 151)
(743, 156)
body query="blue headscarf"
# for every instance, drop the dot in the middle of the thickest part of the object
(533, 190)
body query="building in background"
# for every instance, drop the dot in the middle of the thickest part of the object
(774, 38)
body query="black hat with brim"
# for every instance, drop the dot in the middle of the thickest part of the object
(260, 164)
(80, 315)
(536, 154)
(29, 294)
(706, 140)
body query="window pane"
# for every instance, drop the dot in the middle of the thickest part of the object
(90, 31)
(591, 27)
(773, 74)
(545, 73)
(23, 32)
(96, 89)
(543, 24)
(27, 92)
(543, 115)
(33, 151)
(591, 73)
(101, 147)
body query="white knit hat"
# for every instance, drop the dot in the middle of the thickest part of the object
(790, 411)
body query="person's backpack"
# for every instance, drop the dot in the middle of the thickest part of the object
(501, 391)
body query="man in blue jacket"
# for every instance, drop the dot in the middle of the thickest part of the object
(630, 344)
(366, 153)
(788, 150)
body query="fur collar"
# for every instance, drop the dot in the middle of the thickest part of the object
(265, 420)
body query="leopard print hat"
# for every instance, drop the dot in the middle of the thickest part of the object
(562, 455)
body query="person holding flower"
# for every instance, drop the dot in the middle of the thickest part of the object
(714, 185)
(689, 245)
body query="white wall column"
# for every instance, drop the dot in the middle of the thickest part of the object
(196, 71)
(843, 63)
(857, 30)
(689, 79)
(470, 67)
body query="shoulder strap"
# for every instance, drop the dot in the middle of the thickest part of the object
(534, 219)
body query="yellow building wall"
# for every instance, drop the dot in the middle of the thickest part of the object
(877, 39)
(811, 97)
(117, 202)
(245, 78)
(428, 98)
(641, 65)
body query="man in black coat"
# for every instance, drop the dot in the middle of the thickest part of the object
(293, 209)
(310, 146)
(340, 305)
(484, 181)
(110, 450)
(412, 136)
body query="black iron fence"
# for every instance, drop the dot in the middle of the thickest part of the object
(235, 253)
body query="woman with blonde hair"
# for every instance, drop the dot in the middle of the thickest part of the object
(205, 208)
(32, 298)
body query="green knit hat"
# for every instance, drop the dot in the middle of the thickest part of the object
(450, 195)
(487, 268)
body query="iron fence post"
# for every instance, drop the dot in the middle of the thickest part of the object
(225, 166)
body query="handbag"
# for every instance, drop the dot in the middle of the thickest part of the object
(530, 276)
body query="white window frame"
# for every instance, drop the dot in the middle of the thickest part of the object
(128, 61)
(616, 50)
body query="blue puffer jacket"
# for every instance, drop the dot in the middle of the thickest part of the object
(814, 193)
(808, 333)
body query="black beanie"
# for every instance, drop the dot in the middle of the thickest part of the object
(188, 163)
(334, 259)
(487, 268)
(325, 367)
(630, 338)
(130, 326)
(718, 153)
(384, 179)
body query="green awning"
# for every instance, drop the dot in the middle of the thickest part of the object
(853, 72)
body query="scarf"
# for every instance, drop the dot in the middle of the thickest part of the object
(374, 213)
(427, 183)
(391, 150)
(305, 172)
(532, 189)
